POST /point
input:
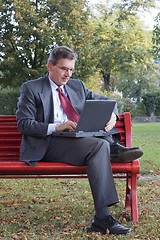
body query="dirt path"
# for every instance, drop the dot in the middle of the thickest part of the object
(149, 177)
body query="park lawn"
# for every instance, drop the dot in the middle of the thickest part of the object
(147, 136)
(45, 209)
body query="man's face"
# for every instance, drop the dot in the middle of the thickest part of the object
(62, 71)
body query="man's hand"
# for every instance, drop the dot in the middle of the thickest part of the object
(69, 125)
(111, 123)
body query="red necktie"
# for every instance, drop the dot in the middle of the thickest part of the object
(67, 107)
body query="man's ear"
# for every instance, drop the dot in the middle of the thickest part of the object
(50, 66)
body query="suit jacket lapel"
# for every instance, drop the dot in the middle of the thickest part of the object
(47, 100)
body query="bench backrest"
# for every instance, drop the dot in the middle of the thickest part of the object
(10, 137)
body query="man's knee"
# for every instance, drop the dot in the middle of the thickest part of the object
(101, 151)
(105, 144)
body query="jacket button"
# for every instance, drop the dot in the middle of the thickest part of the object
(33, 147)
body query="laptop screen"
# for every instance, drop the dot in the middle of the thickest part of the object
(95, 115)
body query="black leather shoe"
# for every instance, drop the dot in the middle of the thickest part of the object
(123, 154)
(109, 223)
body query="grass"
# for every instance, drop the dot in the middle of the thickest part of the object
(147, 136)
(45, 209)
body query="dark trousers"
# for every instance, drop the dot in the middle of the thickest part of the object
(93, 153)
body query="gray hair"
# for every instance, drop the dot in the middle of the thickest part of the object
(61, 52)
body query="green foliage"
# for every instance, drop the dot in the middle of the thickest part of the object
(151, 102)
(139, 110)
(139, 80)
(124, 104)
(9, 100)
(30, 29)
(95, 84)
(123, 51)
(156, 38)
(111, 41)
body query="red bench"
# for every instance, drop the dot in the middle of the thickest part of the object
(11, 167)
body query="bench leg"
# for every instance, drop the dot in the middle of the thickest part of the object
(134, 205)
(128, 193)
(131, 196)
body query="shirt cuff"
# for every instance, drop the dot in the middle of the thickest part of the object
(117, 117)
(51, 128)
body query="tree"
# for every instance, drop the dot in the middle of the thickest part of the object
(138, 82)
(24, 45)
(156, 38)
(75, 29)
(122, 43)
(30, 29)
(112, 42)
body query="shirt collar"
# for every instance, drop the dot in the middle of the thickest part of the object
(54, 86)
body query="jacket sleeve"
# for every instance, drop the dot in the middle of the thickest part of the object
(29, 113)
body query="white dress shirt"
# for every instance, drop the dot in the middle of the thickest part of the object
(59, 114)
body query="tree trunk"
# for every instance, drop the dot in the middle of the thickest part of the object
(106, 79)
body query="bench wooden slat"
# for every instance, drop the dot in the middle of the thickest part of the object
(10, 141)
(16, 168)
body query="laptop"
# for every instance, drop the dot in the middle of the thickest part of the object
(94, 116)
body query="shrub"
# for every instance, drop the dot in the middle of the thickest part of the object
(8, 100)
(151, 102)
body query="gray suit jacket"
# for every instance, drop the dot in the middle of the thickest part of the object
(35, 111)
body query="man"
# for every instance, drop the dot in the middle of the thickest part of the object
(40, 112)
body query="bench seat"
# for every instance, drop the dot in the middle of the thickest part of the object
(11, 167)
(57, 169)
